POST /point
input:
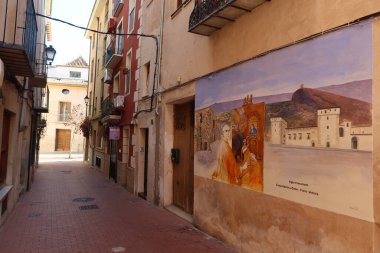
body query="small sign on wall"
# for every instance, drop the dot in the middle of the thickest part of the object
(114, 134)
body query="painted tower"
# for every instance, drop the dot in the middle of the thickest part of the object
(278, 126)
(328, 127)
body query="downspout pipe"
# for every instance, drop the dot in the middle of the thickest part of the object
(157, 189)
(96, 68)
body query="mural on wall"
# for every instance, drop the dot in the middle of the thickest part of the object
(296, 123)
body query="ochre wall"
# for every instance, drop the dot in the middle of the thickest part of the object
(254, 222)
(376, 135)
(272, 25)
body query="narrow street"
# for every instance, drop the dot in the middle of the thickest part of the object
(73, 208)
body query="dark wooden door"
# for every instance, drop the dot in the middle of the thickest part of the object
(62, 140)
(4, 147)
(183, 171)
(113, 160)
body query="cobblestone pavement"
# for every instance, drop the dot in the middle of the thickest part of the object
(73, 208)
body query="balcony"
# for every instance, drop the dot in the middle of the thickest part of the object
(111, 110)
(41, 100)
(18, 37)
(209, 16)
(114, 56)
(40, 71)
(117, 7)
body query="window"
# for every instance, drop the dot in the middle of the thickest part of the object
(116, 84)
(341, 132)
(125, 150)
(75, 74)
(64, 111)
(128, 73)
(106, 13)
(104, 50)
(119, 38)
(90, 104)
(300, 136)
(290, 136)
(327, 127)
(99, 137)
(92, 71)
(145, 79)
(308, 136)
(131, 20)
(294, 136)
(131, 16)
(4, 148)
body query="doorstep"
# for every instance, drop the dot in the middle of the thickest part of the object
(180, 213)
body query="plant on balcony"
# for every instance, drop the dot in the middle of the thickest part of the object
(85, 127)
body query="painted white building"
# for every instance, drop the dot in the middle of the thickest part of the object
(329, 133)
(68, 87)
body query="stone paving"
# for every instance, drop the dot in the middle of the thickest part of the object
(104, 218)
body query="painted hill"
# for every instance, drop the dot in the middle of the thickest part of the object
(361, 90)
(301, 111)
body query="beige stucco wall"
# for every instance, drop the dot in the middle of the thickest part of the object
(376, 129)
(75, 97)
(18, 152)
(250, 221)
(253, 222)
(266, 28)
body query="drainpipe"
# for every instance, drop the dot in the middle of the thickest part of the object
(96, 66)
(157, 188)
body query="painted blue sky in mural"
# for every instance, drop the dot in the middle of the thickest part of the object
(335, 58)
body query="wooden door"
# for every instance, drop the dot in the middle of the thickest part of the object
(4, 147)
(183, 171)
(62, 140)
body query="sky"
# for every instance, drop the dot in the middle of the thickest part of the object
(69, 41)
(334, 58)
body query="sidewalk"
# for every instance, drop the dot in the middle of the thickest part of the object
(72, 208)
(60, 157)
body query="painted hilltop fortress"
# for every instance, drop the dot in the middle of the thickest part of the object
(341, 122)
(329, 133)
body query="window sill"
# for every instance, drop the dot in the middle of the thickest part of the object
(4, 191)
(178, 10)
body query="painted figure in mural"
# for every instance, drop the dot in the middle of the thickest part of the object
(228, 169)
(246, 156)
(253, 130)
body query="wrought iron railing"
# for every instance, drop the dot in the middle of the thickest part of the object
(41, 99)
(107, 107)
(112, 51)
(63, 117)
(205, 8)
(19, 27)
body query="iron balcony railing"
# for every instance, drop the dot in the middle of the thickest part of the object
(112, 51)
(41, 99)
(205, 8)
(107, 107)
(209, 16)
(63, 117)
(19, 33)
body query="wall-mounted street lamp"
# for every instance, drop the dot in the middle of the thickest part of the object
(50, 54)
(86, 101)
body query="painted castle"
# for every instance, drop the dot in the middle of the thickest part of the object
(329, 132)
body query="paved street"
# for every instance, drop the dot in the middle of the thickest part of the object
(60, 157)
(73, 208)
